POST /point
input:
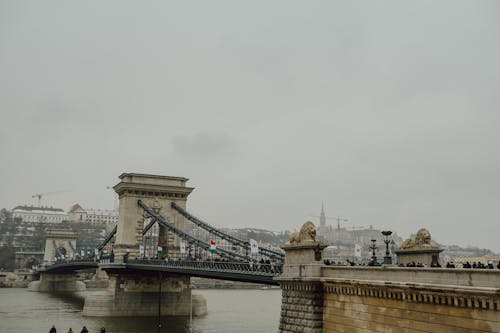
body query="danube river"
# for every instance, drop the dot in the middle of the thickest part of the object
(229, 310)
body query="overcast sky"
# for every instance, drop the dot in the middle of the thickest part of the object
(386, 111)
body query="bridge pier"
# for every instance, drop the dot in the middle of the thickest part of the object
(139, 295)
(57, 283)
(302, 294)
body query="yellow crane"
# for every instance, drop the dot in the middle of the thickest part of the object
(40, 195)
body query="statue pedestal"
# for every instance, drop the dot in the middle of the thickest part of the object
(428, 256)
(304, 259)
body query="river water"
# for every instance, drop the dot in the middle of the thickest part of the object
(229, 311)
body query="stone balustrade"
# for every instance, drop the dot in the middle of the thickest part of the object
(320, 298)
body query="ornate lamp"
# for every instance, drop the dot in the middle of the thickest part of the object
(387, 239)
(373, 247)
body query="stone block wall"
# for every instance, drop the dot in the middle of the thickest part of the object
(301, 307)
(354, 307)
(319, 298)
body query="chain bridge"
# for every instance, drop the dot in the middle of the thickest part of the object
(157, 246)
(158, 243)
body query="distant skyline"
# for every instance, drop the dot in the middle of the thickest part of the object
(388, 112)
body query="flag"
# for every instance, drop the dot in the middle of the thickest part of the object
(213, 247)
(182, 247)
(160, 248)
(96, 252)
(141, 250)
(82, 252)
(254, 248)
(357, 250)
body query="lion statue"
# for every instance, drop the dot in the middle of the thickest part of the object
(307, 234)
(422, 239)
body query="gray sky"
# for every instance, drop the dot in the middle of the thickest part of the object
(386, 111)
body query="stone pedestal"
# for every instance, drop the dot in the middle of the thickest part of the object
(302, 293)
(428, 256)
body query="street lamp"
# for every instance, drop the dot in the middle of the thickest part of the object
(159, 301)
(373, 247)
(387, 239)
(191, 286)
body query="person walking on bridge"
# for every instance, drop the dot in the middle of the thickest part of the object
(84, 330)
(70, 330)
(53, 329)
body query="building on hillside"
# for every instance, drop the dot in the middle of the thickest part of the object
(39, 214)
(344, 237)
(94, 216)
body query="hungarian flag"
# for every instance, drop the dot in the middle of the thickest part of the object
(160, 248)
(213, 247)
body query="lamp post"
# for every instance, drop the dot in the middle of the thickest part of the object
(191, 286)
(387, 239)
(373, 247)
(159, 301)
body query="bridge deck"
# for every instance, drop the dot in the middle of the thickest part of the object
(233, 271)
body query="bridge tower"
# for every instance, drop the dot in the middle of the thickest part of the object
(136, 293)
(157, 192)
(59, 243)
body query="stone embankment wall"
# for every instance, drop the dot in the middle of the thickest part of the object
(319, 298)
(357, 306)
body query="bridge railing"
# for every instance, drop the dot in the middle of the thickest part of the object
(228, 266)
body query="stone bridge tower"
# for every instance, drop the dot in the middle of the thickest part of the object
(132, 293)
(158, 192)
(59, 242)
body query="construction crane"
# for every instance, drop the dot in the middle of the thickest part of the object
(340, 219)
(40, 195)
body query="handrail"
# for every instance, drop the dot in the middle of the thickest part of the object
(226, 266)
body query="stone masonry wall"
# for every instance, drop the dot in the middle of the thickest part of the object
(301, 307)
(364, 307)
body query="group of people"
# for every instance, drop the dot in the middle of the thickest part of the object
(84, 330)
(339, 263)
(467, 264)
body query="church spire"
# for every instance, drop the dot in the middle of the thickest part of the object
(322, 217)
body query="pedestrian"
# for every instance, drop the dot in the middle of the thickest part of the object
(53, 329)
(102, 330)
(70, 330)
(84, 330)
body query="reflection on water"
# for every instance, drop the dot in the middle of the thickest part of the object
(242, 311)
